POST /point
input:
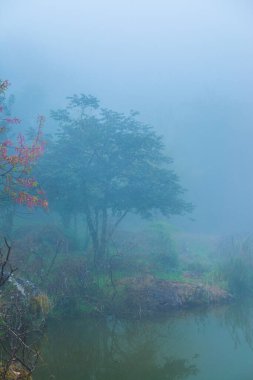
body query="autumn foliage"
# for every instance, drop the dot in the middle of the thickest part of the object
(17, 159)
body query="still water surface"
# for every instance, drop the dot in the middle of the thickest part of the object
(204, 345)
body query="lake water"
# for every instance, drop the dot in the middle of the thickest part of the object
(209, 345)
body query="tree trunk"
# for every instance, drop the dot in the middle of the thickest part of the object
(103, 236)
(93, 234)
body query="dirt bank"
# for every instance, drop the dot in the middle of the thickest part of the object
(149, 295)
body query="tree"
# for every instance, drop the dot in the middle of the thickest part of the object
(17, 160)
(104, 165)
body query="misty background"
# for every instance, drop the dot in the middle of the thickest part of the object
(186, 66)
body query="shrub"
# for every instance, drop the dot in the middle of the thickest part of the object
(236, 266)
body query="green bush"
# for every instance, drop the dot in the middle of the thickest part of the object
(236, 266)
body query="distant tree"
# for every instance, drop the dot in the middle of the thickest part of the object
(104, 165)
(17, 160)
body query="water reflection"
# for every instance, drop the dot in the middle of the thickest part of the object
(111, 349)
(238, 319)
(208, 345)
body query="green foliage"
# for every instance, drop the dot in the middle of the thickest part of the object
(237, 264)
(197, 255)
(162, 246)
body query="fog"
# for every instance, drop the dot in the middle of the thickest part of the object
(186, 66)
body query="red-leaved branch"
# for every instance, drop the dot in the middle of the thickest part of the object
(17, 160)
